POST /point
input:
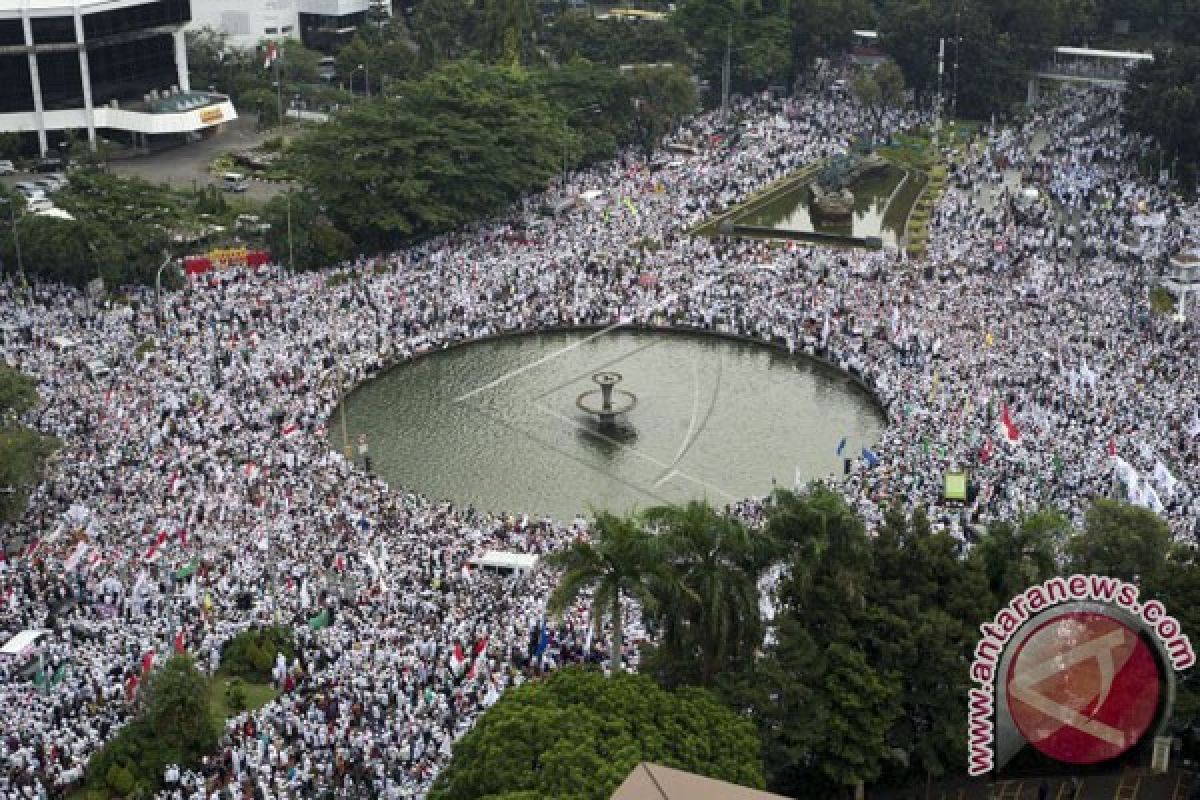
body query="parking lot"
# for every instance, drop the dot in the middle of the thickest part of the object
(188, 166)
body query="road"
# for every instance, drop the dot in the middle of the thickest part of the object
(187, 166)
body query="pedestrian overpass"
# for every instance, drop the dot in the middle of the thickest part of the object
(1086, 65)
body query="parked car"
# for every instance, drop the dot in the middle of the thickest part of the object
(31, 191)
(234, 182)
(6, 167)
(252, 223)
(49, 164)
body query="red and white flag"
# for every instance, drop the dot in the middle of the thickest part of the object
(1112, 447)
(180, 647)
(152, 553)
(272, 55)
(250, 470)
(147, 662)
(176, 482)
(985, 452)
(1008, 428)
(291, 430)
(457, 660)
(75, 557)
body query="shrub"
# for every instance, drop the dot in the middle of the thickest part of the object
(119, 779)
(235, 695)
(251, 654)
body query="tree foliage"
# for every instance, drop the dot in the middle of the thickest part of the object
(578, 734)
(459, 144)
(998, 41)
(1162, 100)
(173, 726)
(879, 90)
(865, 676)
(757, 34)
(120, 231)
(315, 241)
(1122, 541)
(622, 561)
(612, 42)
(18, 393)
(707, 615)
(23, 455)
(251, 654)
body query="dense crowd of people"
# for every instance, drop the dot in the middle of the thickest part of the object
(196, 496)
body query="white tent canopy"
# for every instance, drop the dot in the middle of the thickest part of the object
(1119, 55)
(503, 561)
(23, 642)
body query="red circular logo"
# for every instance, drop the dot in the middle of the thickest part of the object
(1083, 687)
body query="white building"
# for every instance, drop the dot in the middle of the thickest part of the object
(101, 65)
(319, 24)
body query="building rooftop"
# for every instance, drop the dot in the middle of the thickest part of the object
(45, 8)
(655, 782)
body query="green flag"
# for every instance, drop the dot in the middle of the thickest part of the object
(59, 675)
(319, 621)
(186, 572)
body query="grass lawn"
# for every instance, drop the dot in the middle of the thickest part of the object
(257, 696)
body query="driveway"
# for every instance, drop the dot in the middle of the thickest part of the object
(187, 166)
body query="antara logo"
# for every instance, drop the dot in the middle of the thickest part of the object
(1081, 685)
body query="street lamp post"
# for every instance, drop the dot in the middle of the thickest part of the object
(158, 312)
(593, 109)
(12, 210)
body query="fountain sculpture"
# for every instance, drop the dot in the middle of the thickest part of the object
(600, 403)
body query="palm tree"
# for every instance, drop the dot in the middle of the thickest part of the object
(620, 560)
(712, 611)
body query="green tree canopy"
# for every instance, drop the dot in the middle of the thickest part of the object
(18, 393)
(578, 34)
(23, 455)
(1122, 541)
(1162, 100)
(823, 27)
(879, 89)
(445, 30)
(757, 31)
(459, 144)
(174, 725)
(999, 41)
(577, 735)
(315, 241)
(1017, 556)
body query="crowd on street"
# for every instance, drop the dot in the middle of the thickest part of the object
(196, 495)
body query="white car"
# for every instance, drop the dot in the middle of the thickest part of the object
(38, 206)
(6, 167)
(31, 192)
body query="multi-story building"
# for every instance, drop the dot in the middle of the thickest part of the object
(118, 66)
(320, 24)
